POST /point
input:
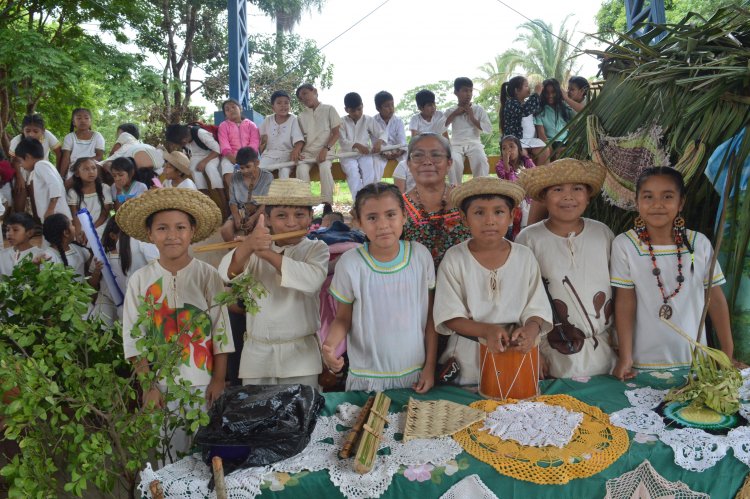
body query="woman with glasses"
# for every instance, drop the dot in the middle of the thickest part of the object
(429, 219)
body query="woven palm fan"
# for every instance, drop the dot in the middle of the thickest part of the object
(438, 418)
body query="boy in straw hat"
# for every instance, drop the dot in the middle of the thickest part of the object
(488, 287)
(181, 286)
(177, 171)
(573, 254)
(280, 343)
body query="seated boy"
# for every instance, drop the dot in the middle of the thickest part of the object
(488, 287)
(20, 231)
(281, 139)
(48, 188)
(394, 132)
(280, 343)
(467, 122)
(358, 131)
(320, 124)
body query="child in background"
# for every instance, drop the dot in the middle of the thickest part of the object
(248, 181)
(428, 119)
(516, 102)
(33, 126)
(235, 132)
(660, 270)
(280, 343)
(577, 95)
(512, 162)
(550, 122)
(573, 255)
(81, 142)
(89, 192)
(385, 291)
(320, 125)
(467, 121)
(148, 159)
(49, 191)
(7, 174)
(358, 133)
(489, 287)
(394, 132)
(20, 231)
(205, 155)
(182, 287)
(60, 234)
(125, 186)
(281, 139)
(127, 133)
(177, 171)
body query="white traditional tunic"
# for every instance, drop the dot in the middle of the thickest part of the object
(181, 297)
(418, 124)
(463, 130)
(390, 302)
(576, 270)
(10, 257)
(316, 125)
(280, 341)
(48, 185)
(91, 203)
(77, 257)
(281, 138)
(464, 289)
(655, 344)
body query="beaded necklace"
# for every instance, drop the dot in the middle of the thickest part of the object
(665, 311)
(436, 224)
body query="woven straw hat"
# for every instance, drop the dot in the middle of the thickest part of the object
(486, 185)
(562, 171)
(179, 160)
(131, 217)
(288, 192)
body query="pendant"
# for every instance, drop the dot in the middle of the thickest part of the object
(665, 312)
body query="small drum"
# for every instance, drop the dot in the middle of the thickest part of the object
(509, 374)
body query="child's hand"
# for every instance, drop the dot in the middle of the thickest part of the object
(322, 155)
(213, 390)
(469, 111)
(523, 338)
(624, 369)
(538, 88)
(335, 364)
(497, 338)
(201, 166)
(153, 399)
(98, 266)
(295, 155)
(425, 382)
(260, 238)
(252, 221)
(361, 149)
(377, 146)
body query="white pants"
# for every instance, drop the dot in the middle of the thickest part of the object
(266, 161)
(212, 171)
(359, 172)
(477, 160)
(310, 380)
(227, 167)
(326, 177)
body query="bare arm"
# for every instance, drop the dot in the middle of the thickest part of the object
(625, 309)
(336, 334)
(718, 310)
(495, 335)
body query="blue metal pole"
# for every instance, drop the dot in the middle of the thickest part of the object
(239, 64)
(654, 13)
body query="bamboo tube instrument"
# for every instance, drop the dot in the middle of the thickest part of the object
(330, 157)
(372, 434)
(234, 244)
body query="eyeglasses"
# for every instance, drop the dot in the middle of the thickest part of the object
(434, 156)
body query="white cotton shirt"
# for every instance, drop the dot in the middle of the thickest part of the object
(464, 290)
(196, 152)
(129, 149)
(77, 257)
(394, 130)
(402, 172)
(435, 125)
(655, 344)
(365, 131)
(49, 142)
(316, 125)
(48, 185)
(82, 148)
(463, 131)
(91, 203)
(281, 137)
(10, 257)
(187, 183)
(390, 303)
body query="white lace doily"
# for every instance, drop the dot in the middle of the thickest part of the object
(533, 423)
(189, 477)
(739, 440)
(745, 389)
(471, 487)
(646, 482)
(647, 397)
(694, 449)
(638, 419)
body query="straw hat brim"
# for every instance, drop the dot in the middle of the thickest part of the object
(132, 215)
(486, 185)
(288, 192)
(563, 171)
(180, 164)
(288, 201)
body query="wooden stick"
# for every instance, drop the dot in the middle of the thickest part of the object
(352, 438)
(219, 485)
(370, 440)
(330, 157)
(234, 244)
(157, 491)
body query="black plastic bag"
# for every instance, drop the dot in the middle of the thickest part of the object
(257, 425)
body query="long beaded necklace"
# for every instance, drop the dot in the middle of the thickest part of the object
(665, 311)
(436, 224)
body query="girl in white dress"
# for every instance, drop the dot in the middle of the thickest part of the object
(661, 270)
(384, 290)
(60, 233)
(89, 192)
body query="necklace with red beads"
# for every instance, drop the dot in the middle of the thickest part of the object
(665, 311)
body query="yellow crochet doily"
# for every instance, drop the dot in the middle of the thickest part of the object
(595, 445)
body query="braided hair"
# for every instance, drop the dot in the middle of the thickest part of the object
(54, 231)
(78, 184)
(112, 237)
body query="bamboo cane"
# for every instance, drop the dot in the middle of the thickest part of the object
(371, 436)
(234, 244)
(354, 435)
(330, 157)
(219, 485)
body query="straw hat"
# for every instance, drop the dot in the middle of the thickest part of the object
(562, 171)
(288, 192)
(131, 217)
(179, 160)
(486, 185)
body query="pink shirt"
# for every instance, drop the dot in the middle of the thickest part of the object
(233, 137)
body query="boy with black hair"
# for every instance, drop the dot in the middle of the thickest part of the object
(204, 153)
(20, 231)
(47, 186)
(358, 133)
(394, 132)
(467, 121)
(428, 119)
(281, 138)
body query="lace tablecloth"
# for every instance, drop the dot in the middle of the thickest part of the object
(694, 449)
(533, 423)
(189, 477)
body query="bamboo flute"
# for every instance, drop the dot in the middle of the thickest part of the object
(372, 434)
(352, 438)
(219, 485)
(234, 244)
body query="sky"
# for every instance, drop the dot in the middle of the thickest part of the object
(407, 43)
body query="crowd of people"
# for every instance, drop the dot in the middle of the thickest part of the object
(432, 256)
